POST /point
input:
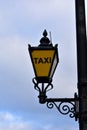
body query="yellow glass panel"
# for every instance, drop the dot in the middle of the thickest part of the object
(42, 60)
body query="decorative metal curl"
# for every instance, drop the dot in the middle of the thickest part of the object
(36, 84)
(43, 88)
(63, 107)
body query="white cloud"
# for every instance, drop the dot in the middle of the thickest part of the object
(9, 121)
(5, 116)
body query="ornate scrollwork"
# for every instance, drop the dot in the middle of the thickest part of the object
(42, 87)
(63, 107)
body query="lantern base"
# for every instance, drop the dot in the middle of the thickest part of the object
(43, 80)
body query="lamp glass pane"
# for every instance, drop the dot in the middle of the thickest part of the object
(55, 62)
(42, 61)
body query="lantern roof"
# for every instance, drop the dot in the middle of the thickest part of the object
(44, 41)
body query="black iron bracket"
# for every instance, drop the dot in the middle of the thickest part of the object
(66, 106)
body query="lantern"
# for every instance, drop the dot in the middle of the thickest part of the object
(44, 59)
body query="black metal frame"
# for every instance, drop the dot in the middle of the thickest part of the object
(64, 105)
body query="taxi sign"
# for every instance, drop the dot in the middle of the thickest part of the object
(42, 61)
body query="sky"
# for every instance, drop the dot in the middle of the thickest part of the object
(22, 22)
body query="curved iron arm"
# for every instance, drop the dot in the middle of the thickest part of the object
(64, 105)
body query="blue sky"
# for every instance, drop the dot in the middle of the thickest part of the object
(22, 22)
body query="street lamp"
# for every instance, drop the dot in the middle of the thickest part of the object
(45, 59)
